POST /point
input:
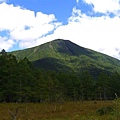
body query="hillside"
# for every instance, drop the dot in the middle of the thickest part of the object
(65, 56)
(81, 74)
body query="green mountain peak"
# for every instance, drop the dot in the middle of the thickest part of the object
(64, 55)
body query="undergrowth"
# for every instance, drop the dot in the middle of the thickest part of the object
(82, 110)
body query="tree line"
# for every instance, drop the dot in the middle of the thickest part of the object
(20, 81)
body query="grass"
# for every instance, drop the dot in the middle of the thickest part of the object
(86, 110)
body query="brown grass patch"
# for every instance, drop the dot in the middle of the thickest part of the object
(54, 111)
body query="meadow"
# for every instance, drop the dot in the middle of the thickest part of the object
(79, 110)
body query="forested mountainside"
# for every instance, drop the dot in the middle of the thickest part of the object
(77, 74)
(20, 81)
(63, 55)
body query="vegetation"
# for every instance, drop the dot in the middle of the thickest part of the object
(65, 56)
(87, 110)
(63, 80)
(20, 81)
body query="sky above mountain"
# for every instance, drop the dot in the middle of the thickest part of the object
(93, 24)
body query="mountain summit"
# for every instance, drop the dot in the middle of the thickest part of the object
(65, 56)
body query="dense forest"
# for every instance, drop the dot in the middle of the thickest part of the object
(20, 81)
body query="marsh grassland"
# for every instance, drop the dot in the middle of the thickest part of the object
(86, 110)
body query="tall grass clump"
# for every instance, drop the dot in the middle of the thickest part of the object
(116, 108)
(112, 111)
(105, 110)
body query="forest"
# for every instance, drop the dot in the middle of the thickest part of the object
(20, 82)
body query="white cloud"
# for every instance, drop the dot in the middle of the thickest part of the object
(16, 19)
(97, 33)
(5, 43)
(77, 2)
(104, 6)
(32, 33)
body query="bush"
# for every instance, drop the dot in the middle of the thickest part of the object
(105, 110)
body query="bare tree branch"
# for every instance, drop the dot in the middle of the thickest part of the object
(14, 115)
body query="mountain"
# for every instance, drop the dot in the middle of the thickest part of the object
(65, 56)
(81, 74)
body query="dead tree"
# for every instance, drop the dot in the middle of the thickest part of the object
(14, 115)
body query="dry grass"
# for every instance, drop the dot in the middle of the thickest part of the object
(53, 111)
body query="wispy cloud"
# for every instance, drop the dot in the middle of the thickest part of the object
(105, 6)
(3, 1)
(77, 1)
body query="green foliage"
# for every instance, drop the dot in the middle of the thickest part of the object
(105, 110)
(116, 113)
(21, 81)
(63, 55)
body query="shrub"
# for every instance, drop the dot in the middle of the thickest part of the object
(105, 110)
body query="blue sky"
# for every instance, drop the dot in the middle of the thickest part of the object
(60, 8)
(93, 24)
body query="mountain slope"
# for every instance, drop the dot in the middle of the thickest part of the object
(65, 56)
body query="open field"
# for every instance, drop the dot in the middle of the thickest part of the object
(86, 110)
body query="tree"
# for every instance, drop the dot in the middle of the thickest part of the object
(103, 85)
(86, 87)
(3, 52)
